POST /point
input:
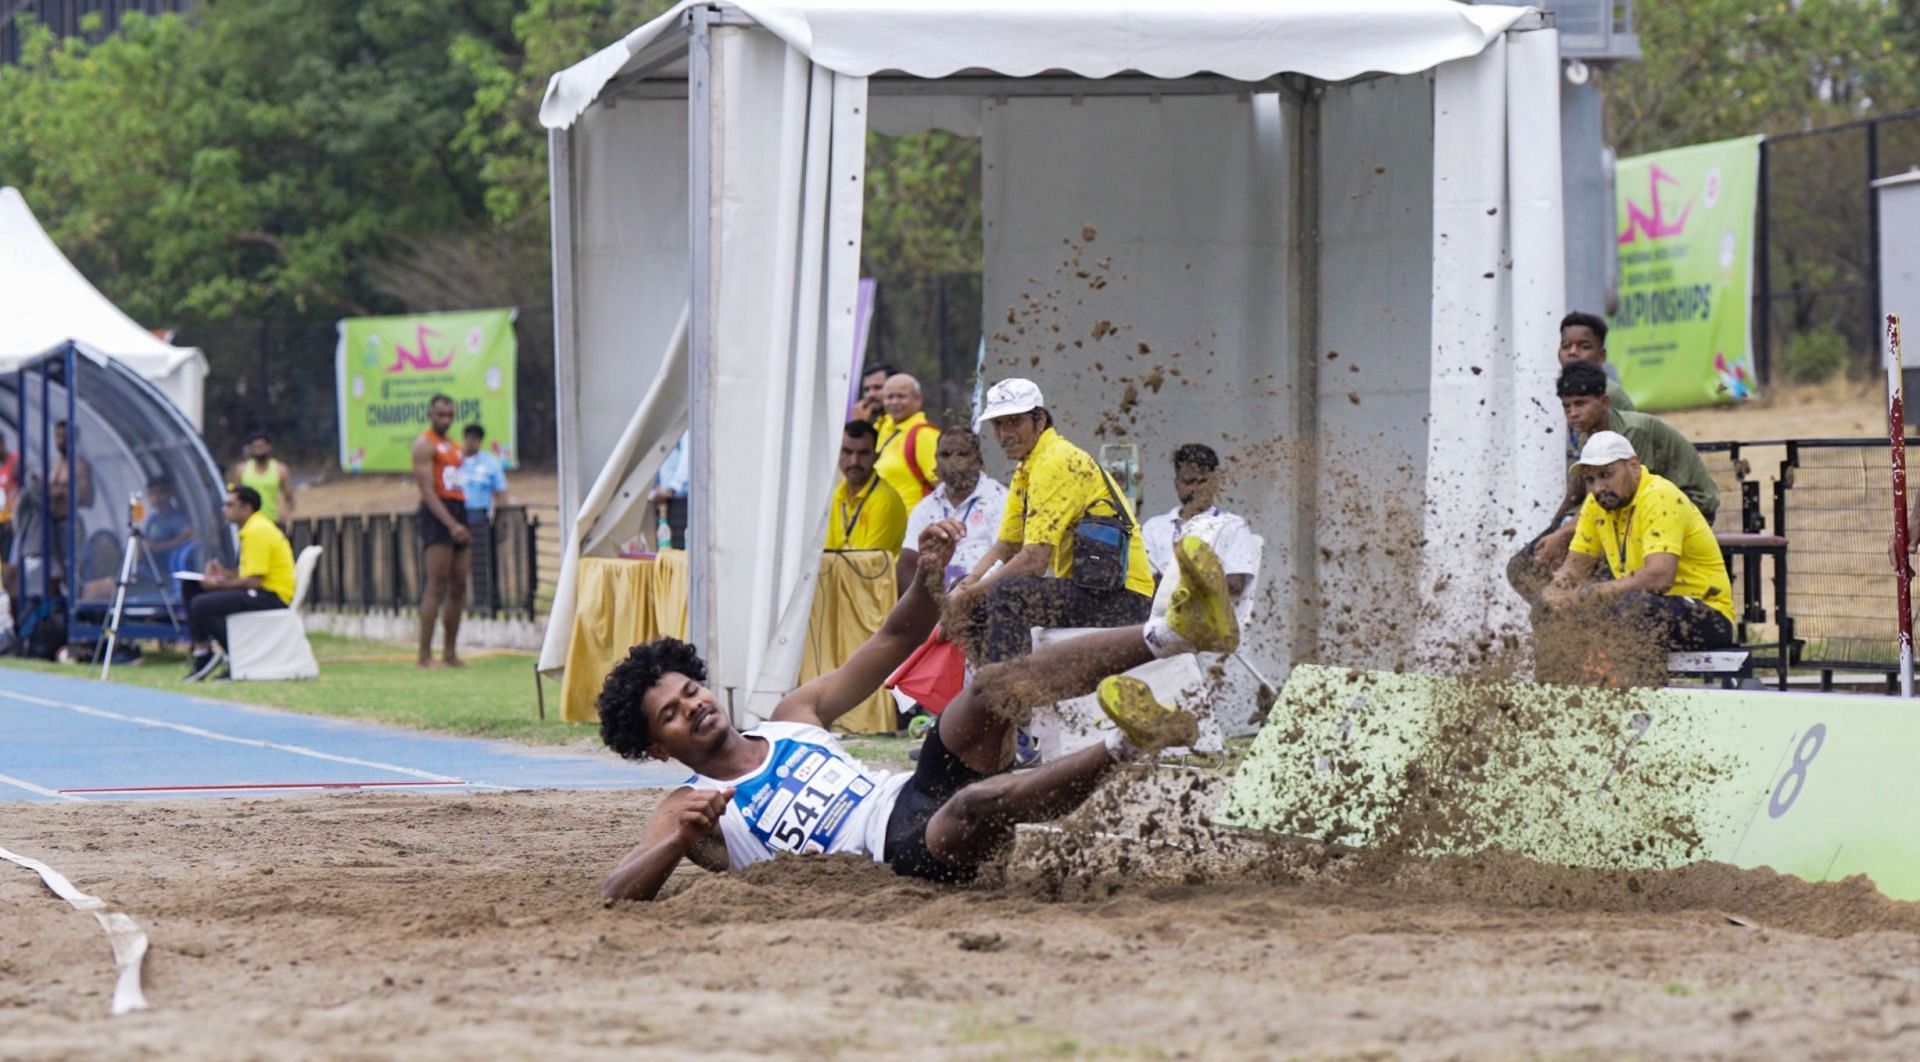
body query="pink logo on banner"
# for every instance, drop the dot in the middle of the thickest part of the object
(420, 359)
(1655, 226)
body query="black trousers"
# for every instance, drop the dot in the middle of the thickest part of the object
(1014, 606)
(1680, 624)
(207, 610)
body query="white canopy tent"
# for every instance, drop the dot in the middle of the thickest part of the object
(1267, 192)
(44, 301)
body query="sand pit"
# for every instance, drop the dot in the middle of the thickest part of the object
(375, 926)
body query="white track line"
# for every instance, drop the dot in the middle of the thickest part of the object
(129, 942)
(213, 735)
(21, 783)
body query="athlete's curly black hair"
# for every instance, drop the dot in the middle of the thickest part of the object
(623, 723)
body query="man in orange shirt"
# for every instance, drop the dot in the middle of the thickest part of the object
(444, 538)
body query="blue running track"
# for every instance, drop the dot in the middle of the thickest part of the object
(64, 739)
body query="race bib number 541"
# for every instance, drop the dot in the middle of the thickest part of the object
(804, 805)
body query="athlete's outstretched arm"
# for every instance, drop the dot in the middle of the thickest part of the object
(685, 819)
(841, 690)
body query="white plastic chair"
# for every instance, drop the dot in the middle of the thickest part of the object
(272, 646)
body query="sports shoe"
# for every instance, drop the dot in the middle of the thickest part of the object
(1199, 615)
(1146, 723)
(204, 663)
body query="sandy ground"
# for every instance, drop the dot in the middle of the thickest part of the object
(384, 926)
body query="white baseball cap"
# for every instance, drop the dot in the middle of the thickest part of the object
(1010, 396)
(1604, 448)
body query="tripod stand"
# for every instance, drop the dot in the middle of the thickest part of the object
(134, 552)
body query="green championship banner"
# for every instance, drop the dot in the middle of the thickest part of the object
(387, 369)
(1681, 337)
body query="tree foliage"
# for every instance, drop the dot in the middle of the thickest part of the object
(1715, 69)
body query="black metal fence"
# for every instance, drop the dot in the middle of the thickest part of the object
(1834, 607)
(64, 18)
(371, 563)
(1816, 278)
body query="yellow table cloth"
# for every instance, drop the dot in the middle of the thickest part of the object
(850, 602)
(619, 603)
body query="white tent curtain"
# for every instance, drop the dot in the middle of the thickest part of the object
(787, 184)
(1498, 288)
(611, 510)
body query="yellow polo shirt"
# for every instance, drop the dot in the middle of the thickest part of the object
(1659, 519)
(874, 518)
(894, 466)
(265, 552)
(1053, 488)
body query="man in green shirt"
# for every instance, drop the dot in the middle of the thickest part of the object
(1662, 450)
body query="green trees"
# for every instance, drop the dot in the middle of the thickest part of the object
(1716, 69)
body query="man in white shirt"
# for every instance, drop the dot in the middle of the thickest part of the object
(965, 494)
(1196, 481)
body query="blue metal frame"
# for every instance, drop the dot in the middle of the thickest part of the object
(86, 622)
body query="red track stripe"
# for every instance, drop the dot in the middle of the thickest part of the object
(264, 785)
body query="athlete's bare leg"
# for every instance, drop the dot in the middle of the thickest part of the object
(436, 564)
(979, 820)
(458, 573)
(978, 725)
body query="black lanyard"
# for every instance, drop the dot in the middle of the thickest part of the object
(847, 522)
(1626, 530)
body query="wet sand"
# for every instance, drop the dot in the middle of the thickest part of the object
(387, 926)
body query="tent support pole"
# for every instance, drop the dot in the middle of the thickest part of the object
(566, 379)
(1304, 155)
(701, 626)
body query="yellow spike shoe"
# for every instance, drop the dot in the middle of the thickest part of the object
(1146, 723)
(1201, 610)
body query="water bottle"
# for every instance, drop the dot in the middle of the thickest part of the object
(663, 534)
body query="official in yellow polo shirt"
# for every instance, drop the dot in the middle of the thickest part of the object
(1055, 487)
(1667, 570)
(264, 582)
(866, 513)
(907, 441)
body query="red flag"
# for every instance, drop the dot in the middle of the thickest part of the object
(933, 674)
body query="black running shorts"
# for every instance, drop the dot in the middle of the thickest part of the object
(937, 777)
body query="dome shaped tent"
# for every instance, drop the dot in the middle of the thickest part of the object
(129, 436)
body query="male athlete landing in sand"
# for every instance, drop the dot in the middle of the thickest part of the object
(788, 786)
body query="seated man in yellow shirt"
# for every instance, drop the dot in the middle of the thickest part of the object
(264, 581)
(1059, 499)
(1668, 576)
(867, 514)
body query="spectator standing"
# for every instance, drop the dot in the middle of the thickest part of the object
(264, 582)
(1661, 448)
(1196, 482)
(908, 443)
(669, 493)
(965, 494)
(866, 513)
(1668, 576)
(1069, 550)
(483, 479)
(868, 406)
(268, 477)
(1583, 337)
(9, 487)
(446, 543)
